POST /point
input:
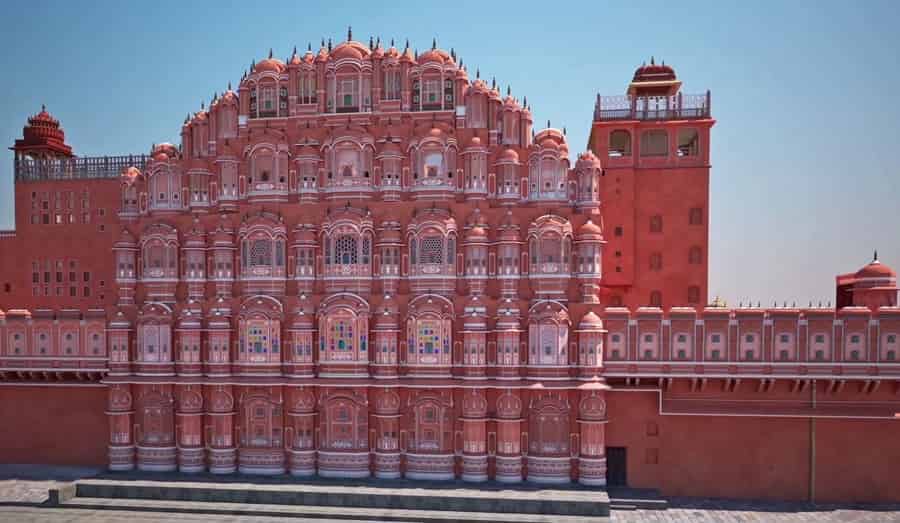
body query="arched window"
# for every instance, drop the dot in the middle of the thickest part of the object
(548, 430)
(654, 143)
(619, 143)
(656, 223)
(656, 261)
(656, 299)
(688, 142)
(695, 216)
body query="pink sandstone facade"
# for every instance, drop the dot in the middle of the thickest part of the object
(364, 263)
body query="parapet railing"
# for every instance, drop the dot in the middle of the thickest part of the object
(677, 107)
(29, 169)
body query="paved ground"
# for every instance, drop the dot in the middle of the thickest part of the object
(23, 489)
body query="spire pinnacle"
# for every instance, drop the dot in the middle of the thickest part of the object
(295, 50)
(329, 44)
(392, 42)
(270, 52)
(508, 90)
(43, 108)
(478, 73)
(309, 46)
(349, 33)
(434, 43)
(875, 256)
(652, 61)
(229, 85)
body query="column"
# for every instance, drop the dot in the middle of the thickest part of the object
(121, 439)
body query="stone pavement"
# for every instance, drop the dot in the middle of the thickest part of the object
(24, 488)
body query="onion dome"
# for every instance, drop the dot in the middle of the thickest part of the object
(389, 235)
(305, 234)
(295, 58)
(322, 55)
(587, 160)
(222, 236)
(477, 234)
(590, 322)
(435, 55)
(589, 229)
(164, 152)
(435, 132)
(478, 86)
(307, 150)
(475, 142)
(270, 64)
(551, 138)
(876, 269)
(43, 131)
(508, 155)
(461, 74)
(407, 55)
(350, 50)
(303, 317)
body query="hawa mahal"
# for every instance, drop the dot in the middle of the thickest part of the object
(364, 262)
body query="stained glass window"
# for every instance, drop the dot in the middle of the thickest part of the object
(260, 253)
(429, 337)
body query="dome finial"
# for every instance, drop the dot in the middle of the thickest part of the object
(309, 46)
(875, 256)
(407, 45)
(43, 108)
(229, 85)
(270, 52)
(329, 44)
(652, 61)
(548, 124)
(392, 42)
(508, 90)
(349, 33)
(295, 50)
(434, 43)
(371, 43)
(478, 73)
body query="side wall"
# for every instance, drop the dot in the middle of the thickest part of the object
(753, 457)
(54, 425)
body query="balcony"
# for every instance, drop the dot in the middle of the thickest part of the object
(30, 170)
(653, 108)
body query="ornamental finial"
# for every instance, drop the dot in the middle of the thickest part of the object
(270, 52)
(875, 256)
(349, 33)
(434, 43)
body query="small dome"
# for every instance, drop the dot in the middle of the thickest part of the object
(435, 132)
(653, 73)
(475, 142)
(590, 229)
(588, 160)
(389, 235)
(434, 55)
(876, 269)
(305, 234)
(130, 175)
(590, 321)
(269, 65)
(477, 233)
(350, 50)
(164, 152)
(508, 155)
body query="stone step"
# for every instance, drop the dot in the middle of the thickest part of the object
(407, 496)
(320, 512)
(633, 499)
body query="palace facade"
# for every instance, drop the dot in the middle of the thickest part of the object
(363, 262)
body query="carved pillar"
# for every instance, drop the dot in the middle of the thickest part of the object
(301, 431)
(592, 423)
(509, 438)
(189, 429)
(221, 452)
(387, 433)
(121, 439)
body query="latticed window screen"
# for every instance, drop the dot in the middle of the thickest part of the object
(260, 252)
(345, 250)
(431, 250)
(365, 250)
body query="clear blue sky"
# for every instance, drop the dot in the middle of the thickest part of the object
(806, 172)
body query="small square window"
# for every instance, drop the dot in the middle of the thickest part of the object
(892, 338)
(748, 338)
(716, 338)
(854, 338)
(820, 338)
(615, 354)
(716, 354)
(891, 355)
(648, 338)
(854, 355)
(748, 355)
(785, 338)
(783, 355)
(682, 354)
(648, 354)
(682, 338)
(616, 338)
(820, 355)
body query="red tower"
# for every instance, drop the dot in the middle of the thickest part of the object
(654, 145)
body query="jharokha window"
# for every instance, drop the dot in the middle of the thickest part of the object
(262, 256)
(260, 340)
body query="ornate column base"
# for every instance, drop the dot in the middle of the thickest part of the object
(121, 457)
(157, 459)
(475, 468)
(190, 459)
(268, 462)
(222, 461)
(302, 463)
(387, 466)
(592, 471)
(509, 469)
(343, 464)
(430, 466)
(549, 470)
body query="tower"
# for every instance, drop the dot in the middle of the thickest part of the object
(654, 145)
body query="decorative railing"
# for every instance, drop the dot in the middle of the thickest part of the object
(677, 107)
(29, 170)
